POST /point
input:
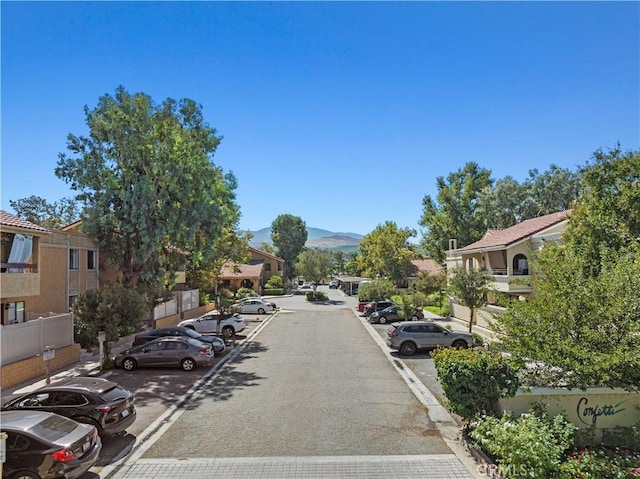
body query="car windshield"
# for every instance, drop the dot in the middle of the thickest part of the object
(52, 428)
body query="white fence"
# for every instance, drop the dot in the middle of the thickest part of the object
(28, 339)
(181, 301)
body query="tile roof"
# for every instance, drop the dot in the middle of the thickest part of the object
(429, 265)
(504, 237)
(234, 271)
(7, 219)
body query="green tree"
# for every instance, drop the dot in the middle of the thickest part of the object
(508, 202)
(607, 217)
(338, 262)
(203, 272)
(454, 215)
(149, 186)
(51, 215)
(114, 309)
(580, 330)
(289, 234)
(387, 253)
(377, 290)
(428, 284)
(314, 265)
(469, 287)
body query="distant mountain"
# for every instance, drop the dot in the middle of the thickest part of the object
(316, 238)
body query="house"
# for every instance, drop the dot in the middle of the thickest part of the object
(272, 264)
(43, 272)
(505, 254)
(423, 265)
(254, 275)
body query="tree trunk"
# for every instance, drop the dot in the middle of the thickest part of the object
(472, 313)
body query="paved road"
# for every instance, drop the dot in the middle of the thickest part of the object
(312, 395)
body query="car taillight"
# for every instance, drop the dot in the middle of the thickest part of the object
(64, 455)
(103, 409)
(205, 351)
(393, 333)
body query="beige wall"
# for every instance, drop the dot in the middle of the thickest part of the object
(21, 371)
(275, 265)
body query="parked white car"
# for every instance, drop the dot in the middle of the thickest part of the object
(258, 306)
(216, 323)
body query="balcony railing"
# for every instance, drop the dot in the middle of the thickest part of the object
(18, 267)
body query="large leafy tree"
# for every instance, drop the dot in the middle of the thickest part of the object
(469, 287)
(315, 265)
(607, 218)
(453, 214)
(377, 290)
(387, 253)
(39, 211)
(289, 234)
(581, 325)
(149, 185)
(508, 202)
(579, 330)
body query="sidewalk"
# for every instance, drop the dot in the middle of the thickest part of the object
(88, 365)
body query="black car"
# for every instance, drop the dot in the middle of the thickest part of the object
(94, 401)
(142, 338)
(43, 445)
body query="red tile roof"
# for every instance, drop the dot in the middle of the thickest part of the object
(235, 271)
(7, 219)
(429, 265)
(501, 238)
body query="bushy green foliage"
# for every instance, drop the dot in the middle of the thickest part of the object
(116, 310)
(377, 290)
(245, 293)
(205, 298)
(473, 380)
(316, 296)
(273, 291)
(531, 445)
(274, 282)
(600, 463)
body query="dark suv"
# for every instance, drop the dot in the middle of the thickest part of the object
(376, 306)
(88, 400)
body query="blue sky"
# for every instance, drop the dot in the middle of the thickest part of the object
(342, 113)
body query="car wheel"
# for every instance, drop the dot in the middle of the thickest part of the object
(228, 332)
(459, 344)
(129, 364)
(382, 320)
(188, 364)
(25, 475)
(408, 349)
(261, 311)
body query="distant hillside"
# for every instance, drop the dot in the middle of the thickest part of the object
(317, 238)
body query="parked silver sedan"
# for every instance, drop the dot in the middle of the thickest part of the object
(187, 353)
(258, 306)
(409, 336)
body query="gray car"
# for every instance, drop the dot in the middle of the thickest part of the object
(392, 313)
(187, 353)
(410, 336)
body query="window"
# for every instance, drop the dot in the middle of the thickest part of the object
(74, 259)
(91, 259)
(520, 265)
(13, 313)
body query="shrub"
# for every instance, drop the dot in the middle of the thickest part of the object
(273, 291)
(205, 298)
(245, 293)
(274, 282)
(473, 380)
(600, 463)
(316, 296)
(531, 445)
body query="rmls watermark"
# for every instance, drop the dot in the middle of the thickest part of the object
(508, 470)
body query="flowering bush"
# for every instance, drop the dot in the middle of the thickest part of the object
(601, 464)
(531, 445)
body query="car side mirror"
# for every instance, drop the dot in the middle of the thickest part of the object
(146, 350)
(445, 331)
